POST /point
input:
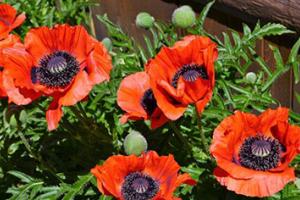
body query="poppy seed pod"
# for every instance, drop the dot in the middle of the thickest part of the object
(251, 77)
(144, 20)
(184, 17)
(107, 43)
(135, 143)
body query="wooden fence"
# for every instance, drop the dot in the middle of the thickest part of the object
(123, 12)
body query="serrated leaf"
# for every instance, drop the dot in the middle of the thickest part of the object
(246, 29)
(292, 60)
(271, 29)
(24, 189)
(236, 39)
(77, 187)
(22, 176)
(204, 13)
(13, 121)
(23, 116)
(227, 43)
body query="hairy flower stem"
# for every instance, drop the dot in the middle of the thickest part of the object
(38, 157)
(180, 137)
(202, 135)
(90, 124)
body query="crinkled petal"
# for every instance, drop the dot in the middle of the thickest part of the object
(261, 185)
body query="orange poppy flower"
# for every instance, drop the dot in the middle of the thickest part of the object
(136, 98)
(149, 176)
(253, 153)
(183, 74)
(10, 41)
(9, 19)
(63, 62)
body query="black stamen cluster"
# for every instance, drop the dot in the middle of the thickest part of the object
(148, 102)
(191, 73)
(130, 191)
(55, 70)
(260, 153)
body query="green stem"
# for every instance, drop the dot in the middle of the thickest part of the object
(81, 108)
(180, 137)
(80, 116)
(202, 135)
(26, 144)
(90, 125)
(91, 23)
(37, 157)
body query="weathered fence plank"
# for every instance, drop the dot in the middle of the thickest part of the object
(283, 11)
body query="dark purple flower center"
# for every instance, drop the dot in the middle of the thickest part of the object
(138, 186)
(55, 70)
(260, 153)
(148, 102)
(190, 73)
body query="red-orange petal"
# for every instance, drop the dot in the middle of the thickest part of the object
(263, 185)
(2, 90)
(10, 41)
(165, 170)
(7, 13)
(229, 136)
(53, 115)
(18, 21)
(16, 76)
(8, 19)
(130, 93)
(72, 39)
(271, 118)
(158, 119)
(99, 63)
(79, 89)
(112, 173)
(162, 69)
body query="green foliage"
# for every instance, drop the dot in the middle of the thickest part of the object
(51, 12)
(36, 189)
(56, 165)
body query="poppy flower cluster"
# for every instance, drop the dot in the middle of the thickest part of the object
(252, 152)
(149, 176)
(177, 77)
(63, 62)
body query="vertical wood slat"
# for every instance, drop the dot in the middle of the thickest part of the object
(123, 12)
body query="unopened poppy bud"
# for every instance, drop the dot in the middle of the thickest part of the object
(144, 20)
(251, 77)
(135, 143)
(184, 17)
(107, 43)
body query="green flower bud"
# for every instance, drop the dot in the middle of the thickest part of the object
(251, 77)
(144, 20)
(135, 143)
(184, 17)
(107, 43)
